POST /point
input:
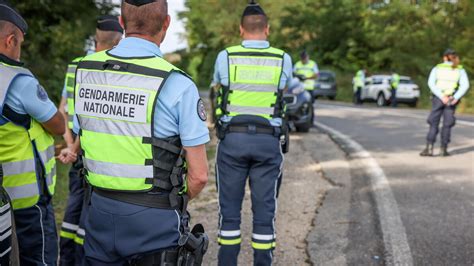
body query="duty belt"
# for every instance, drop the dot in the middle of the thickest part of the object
(254, 129)
(148, 199)
(161, 258)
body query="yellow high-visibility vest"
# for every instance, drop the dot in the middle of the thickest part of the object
(447, 78)
(254, 79)
(19, 148)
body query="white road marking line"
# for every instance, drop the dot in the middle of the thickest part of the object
(393, 231)
(400, 113)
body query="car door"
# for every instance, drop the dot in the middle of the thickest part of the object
(376, 87)
(364, 94)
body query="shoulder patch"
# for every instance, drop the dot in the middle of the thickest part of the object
(41, 93)
(201, 110)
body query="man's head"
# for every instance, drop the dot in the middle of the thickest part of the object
(147, 19)
(108, 33)
(254, 23)
(12, 30)
(304, 57)
(451, 56)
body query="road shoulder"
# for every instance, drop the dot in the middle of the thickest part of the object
(301, 193)
(328, 239)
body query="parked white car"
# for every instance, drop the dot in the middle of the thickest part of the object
(377, 88)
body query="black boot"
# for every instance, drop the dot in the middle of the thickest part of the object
(444, 151)
(428, 151)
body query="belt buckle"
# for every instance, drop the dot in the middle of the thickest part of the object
(252, 129)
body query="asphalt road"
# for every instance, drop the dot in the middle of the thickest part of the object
(435, 196)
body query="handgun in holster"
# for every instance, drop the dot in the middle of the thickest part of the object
(285, 136)
(193, 245)
(221, 129)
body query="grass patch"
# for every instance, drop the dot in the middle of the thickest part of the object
(211, 151)
(62, 191)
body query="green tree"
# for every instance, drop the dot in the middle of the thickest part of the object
(213, 25)
(57, 34)
(344, 35)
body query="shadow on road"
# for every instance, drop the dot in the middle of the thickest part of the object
(462, 150)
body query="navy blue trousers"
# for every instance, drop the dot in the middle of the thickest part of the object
(118, 232)
(393, 98)
(439, 110)
(70, 239)
(258, 159)
(37, 235)
(358, 95)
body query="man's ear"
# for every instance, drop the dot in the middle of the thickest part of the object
(267, 30)
(11, 41)
(166, 23)
(241, 31)
(121, 22)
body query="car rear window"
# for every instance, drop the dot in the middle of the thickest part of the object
(325, 77)
(377, 80)
(406, 81)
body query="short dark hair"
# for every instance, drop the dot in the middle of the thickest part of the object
(254, 23)
(8, 28)
(108, 38)
(146, 19)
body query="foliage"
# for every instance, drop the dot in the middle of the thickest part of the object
(57, 34)
(345, 35)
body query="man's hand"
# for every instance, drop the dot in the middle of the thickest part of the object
(454, 101)
(445, 100)
(67, 155)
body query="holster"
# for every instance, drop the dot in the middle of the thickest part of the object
(193, 245)
(221, 129)
(285, 136)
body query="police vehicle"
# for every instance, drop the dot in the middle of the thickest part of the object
(377, 88)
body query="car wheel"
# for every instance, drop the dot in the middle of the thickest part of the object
(413, 104)
(306, 126)
(332, 98)
(381, 100)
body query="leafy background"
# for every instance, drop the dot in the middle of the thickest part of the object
(343, 35)
(57, 34)
(407, 36)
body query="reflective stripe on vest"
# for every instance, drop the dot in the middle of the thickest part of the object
(18, 149)
(447, 78)
(115, 108)
(254, 79)
(69, 83)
